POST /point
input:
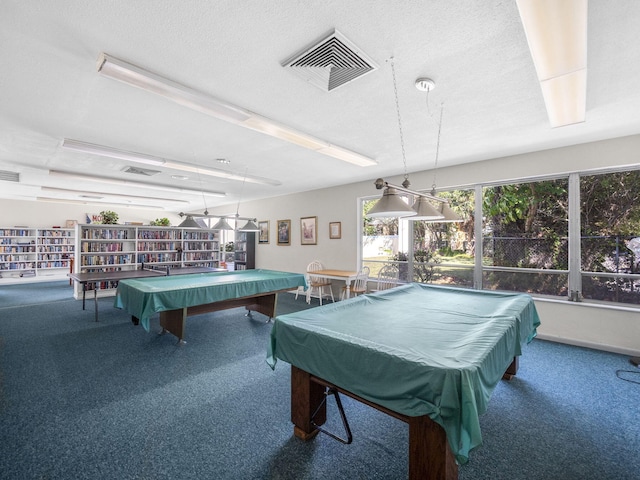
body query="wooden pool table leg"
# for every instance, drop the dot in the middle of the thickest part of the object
(173, 321)
(306, 396)
(430, 457)
(511, 370)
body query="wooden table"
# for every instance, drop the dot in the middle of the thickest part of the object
(427, 355)
(176, 298)
(347, 276)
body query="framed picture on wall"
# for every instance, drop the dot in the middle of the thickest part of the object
(284, 232)
(335, 230)
(263, 234)
(308, 230)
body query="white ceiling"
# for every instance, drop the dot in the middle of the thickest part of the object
(476, 52)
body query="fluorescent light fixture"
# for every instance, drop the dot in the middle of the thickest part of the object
(97, 202)
(92, 194)
(138, 77)
(111, 152)
(115, 181)
(103, 151)
(556, 32)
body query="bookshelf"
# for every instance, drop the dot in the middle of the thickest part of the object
(127, 247)
(35, 253)
(18, 252)
(55, 248)
(245, 251)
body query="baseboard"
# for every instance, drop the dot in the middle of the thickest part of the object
(592, 345)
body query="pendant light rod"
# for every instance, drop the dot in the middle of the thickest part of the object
(207, 215)
(380, 183)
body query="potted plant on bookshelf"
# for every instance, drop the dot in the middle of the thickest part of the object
(161, 222)
(109, 217)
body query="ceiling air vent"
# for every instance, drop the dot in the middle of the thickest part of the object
(141, 171)
(331, 63)
(8, 176)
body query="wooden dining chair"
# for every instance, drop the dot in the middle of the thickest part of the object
(320, 284)
(359, 285)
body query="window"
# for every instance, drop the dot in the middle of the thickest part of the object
(576, 237)
(610, 236)
(525, 244)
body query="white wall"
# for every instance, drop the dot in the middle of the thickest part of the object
(582, 324)
(610, 329)
(48, 214)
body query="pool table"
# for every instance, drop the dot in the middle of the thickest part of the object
(176, 297)
(428, 355)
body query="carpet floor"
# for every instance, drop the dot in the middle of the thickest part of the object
(81, 399)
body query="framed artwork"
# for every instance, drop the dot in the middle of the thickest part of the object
(263, 234)
(284, 232)
(335, 230)
(308, 230)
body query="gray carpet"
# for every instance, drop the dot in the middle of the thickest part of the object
(107, 400)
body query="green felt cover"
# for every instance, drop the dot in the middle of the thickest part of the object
(146, 296)
(415, 349)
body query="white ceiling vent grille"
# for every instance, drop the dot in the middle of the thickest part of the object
(8, 176)
(140, 171)
(332, 62)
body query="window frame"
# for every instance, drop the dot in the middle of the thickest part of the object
(574, 270)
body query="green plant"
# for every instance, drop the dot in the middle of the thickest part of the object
(161, 222)
(109, 217)
(228, 247)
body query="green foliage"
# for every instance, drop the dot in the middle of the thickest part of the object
(160, 222)
(109, 217)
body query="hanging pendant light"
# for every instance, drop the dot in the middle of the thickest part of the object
(189, 222)
(391, 205)
(222, 225)
(249, 227)
(426, 211)
(449, 216)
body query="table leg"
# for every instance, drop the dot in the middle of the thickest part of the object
(95, 301)
(173, 321)
(306, 396)
(511, 370)
(348, 289)
(430, 457)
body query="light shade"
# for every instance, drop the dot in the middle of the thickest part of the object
(425, 211)
(557, 36)
(391, 205)
(222, 225)
(449, 216)
(249, 227)
(138, 77)
(189, 222)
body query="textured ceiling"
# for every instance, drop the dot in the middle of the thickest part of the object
(476, 52)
